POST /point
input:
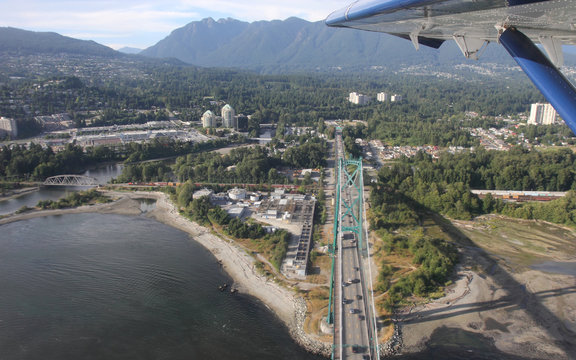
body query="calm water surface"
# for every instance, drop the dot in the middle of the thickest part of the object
(92, 286)
(102, 174)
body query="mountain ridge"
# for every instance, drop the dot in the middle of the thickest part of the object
(29, 42)
(279, 46)
(297, 43)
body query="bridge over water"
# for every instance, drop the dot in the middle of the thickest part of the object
(351, 308)
(71, 180)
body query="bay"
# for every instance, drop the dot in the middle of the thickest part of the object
(95, 286)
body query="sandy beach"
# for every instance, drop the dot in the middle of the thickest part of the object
(240, 265)
(498, 295)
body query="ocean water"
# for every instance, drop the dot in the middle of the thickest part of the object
(93, 286)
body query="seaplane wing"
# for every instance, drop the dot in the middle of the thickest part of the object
(516, 24)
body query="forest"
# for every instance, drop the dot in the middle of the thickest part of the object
(36, 163)
(249, 165)
(75, 199)
(443, 185)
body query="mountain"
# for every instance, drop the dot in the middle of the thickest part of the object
(129, 50)
(25, 42)
(298, 44)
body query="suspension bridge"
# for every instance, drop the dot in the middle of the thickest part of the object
(351, 309)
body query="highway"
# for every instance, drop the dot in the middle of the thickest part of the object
(353, 325)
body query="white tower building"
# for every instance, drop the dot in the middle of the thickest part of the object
(542, 114)
(208, 119)
(8, 126)
(382, 96)
(229, 117)
(358, 99)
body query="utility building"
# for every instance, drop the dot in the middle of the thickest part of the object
(542, 114)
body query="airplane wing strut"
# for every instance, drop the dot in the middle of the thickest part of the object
(547, 78)
(516, 24)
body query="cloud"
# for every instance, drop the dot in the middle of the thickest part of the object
(144, 22)
(312, 10)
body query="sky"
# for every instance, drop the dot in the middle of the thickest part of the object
(142, 23)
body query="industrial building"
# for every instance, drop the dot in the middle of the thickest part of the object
(201, 193)
(294, 209)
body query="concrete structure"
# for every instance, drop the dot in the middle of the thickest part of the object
(396, 98)
(201, 193)
(208, 119)
(382, 97)
(236, 212)
(358, 99)
(229, 119)
(237, 194)
(542, 114)
(8, 127)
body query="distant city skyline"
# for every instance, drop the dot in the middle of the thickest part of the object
(143, 23)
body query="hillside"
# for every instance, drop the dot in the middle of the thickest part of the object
(294, 43)
(23, 42)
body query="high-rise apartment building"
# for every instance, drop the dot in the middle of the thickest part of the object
(358, 99)
(383, 97)
(229, 117)
(8, 127)
(542, 114)
(208, 119)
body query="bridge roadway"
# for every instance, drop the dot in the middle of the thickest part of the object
(353, 320)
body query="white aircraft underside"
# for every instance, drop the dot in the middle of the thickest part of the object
(516, 24)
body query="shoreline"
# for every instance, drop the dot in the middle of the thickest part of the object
(13, 194)
(239, 265)
(480, 301)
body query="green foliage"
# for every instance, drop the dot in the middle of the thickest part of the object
(395, 221)
(308, 155)
(244, 165)
(75, 199)
(276, 245)
(37, 163)
(23, 209)
(559, 211)
(443, 185)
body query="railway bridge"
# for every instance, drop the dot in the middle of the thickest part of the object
(70, 180)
